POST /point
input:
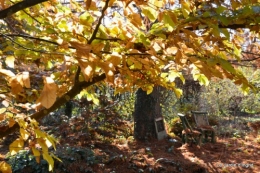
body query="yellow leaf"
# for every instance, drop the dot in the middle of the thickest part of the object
(5, 167)
(49, 159)
(178, 92)
(185, 9)
(35, 152)
(48, 95)
(34, 122)
(203, 80)
(50, 141)
(149, 89)
(16, 146)
(2, 110)
(172, 75)
(55, 157)
(24, 134)
(22, 123)
(40, 134)
(43, 145)
(10, 61)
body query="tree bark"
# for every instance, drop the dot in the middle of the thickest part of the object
(147, 108)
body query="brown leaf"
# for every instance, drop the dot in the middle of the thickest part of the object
(82, 49)
(2, 117)
(16, 86)
(88, 3)
(11, 122)
(48, 95)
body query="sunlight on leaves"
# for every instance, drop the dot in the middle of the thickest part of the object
(49, 159)
(24, 134)
(48, 94)
(5, 167)
(16, 146)
(10, 61)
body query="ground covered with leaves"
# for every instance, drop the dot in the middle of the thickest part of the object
(102, 142)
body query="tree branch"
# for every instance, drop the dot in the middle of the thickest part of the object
(76, 89)
(77, 75)
(99, 23)
(19, 6)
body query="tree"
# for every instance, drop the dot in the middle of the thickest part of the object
(147, 108)
(53, 51)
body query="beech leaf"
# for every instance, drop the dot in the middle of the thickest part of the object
(5, 167)
(16, 146)
(48, 94)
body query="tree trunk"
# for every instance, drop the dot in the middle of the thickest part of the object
(147, 108)
(68, 109)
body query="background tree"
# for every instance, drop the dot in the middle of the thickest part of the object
(55, 51)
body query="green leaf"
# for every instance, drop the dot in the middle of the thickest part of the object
(224, 20)
(167, 20)
(150, 13)
(203, 80)
(215, 30)
(225, 32)
(86, 19)
(62, 25)
(220, 9)
(149, 89)
(237, 52)
(49, 65)
(172, 75)
(227, 66)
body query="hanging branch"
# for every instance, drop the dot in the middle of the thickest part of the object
(18, 7)
(76, 89)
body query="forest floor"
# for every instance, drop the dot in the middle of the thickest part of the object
(93, 150)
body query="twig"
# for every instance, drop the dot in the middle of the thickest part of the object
(93, 37)
(109, 39)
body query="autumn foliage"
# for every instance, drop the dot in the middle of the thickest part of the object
(51, 51)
